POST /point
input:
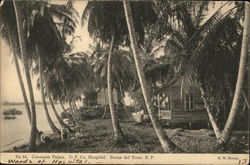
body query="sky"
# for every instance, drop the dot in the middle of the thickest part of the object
(10, 89)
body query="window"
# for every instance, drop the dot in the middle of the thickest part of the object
(189, 101)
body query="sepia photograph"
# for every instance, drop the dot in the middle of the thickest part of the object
(124, 82)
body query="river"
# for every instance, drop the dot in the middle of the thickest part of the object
(15, 132)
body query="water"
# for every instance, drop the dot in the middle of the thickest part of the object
(17, 131)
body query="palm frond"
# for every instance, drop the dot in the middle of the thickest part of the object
(86, 13)
(62, 13)
(207, 25)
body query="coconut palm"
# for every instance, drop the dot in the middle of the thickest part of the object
(241, 73)
(46, 43)
(115, 33)
(166, 143)
(23, 50)
(73, 66)
(9, 33)
(123, 78)
(42, 87)
(225, 24)
(184, 31)
(107, 31)
(215, 40)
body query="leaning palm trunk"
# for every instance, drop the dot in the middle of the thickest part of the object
(76, 111)
(104, 112)
(51, 124)
(210, 115)
(72, 113)
(239, 84)
(62, 105)
(25, 99)
(245, 99)
(166, 143)
(18, 13)
(56, 114)
(118, 134)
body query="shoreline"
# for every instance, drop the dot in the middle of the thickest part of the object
(16, 144)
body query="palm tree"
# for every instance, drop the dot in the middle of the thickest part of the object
(123, 77)
(26, 103)
(117, 129)
(46, 43)
(108, 30)
(241, 74)
(190, 31)
(23, 50)
(51, 124)
(62, 105)
(9, 33)
(215, 41)
(222, 80)
(166, 143)
(56, 114)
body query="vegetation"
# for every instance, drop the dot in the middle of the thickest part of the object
(202, 49)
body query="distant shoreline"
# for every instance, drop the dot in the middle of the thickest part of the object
(21, 103)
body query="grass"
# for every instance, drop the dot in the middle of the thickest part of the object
(141, 138)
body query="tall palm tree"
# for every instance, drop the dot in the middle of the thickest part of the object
(166, 143)
(19, 19)
(9, 33)
(117, 129)
(217, 38)
(108, 30)
(46, 44)
(241, 74)
(213, 40)
(51, 124)
(26, 103)
(56, 114)
(214, 79)
(123, 77)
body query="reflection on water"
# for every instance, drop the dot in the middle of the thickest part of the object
(17, 131)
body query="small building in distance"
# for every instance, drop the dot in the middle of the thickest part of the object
(102, 96)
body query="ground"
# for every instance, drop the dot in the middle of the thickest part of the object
(141, 138)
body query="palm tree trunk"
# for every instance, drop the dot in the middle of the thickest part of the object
(62, 105)
(25, 99)
(76, 109)
(72, 112)
(210, 115)
(240, 79)
(56, 114)
(245, 99)
(166, 143)
(51, 124)
(78, 114)
(105, 112)
(71, 107)
(18, 13)
(20, 79)
(118, 134)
